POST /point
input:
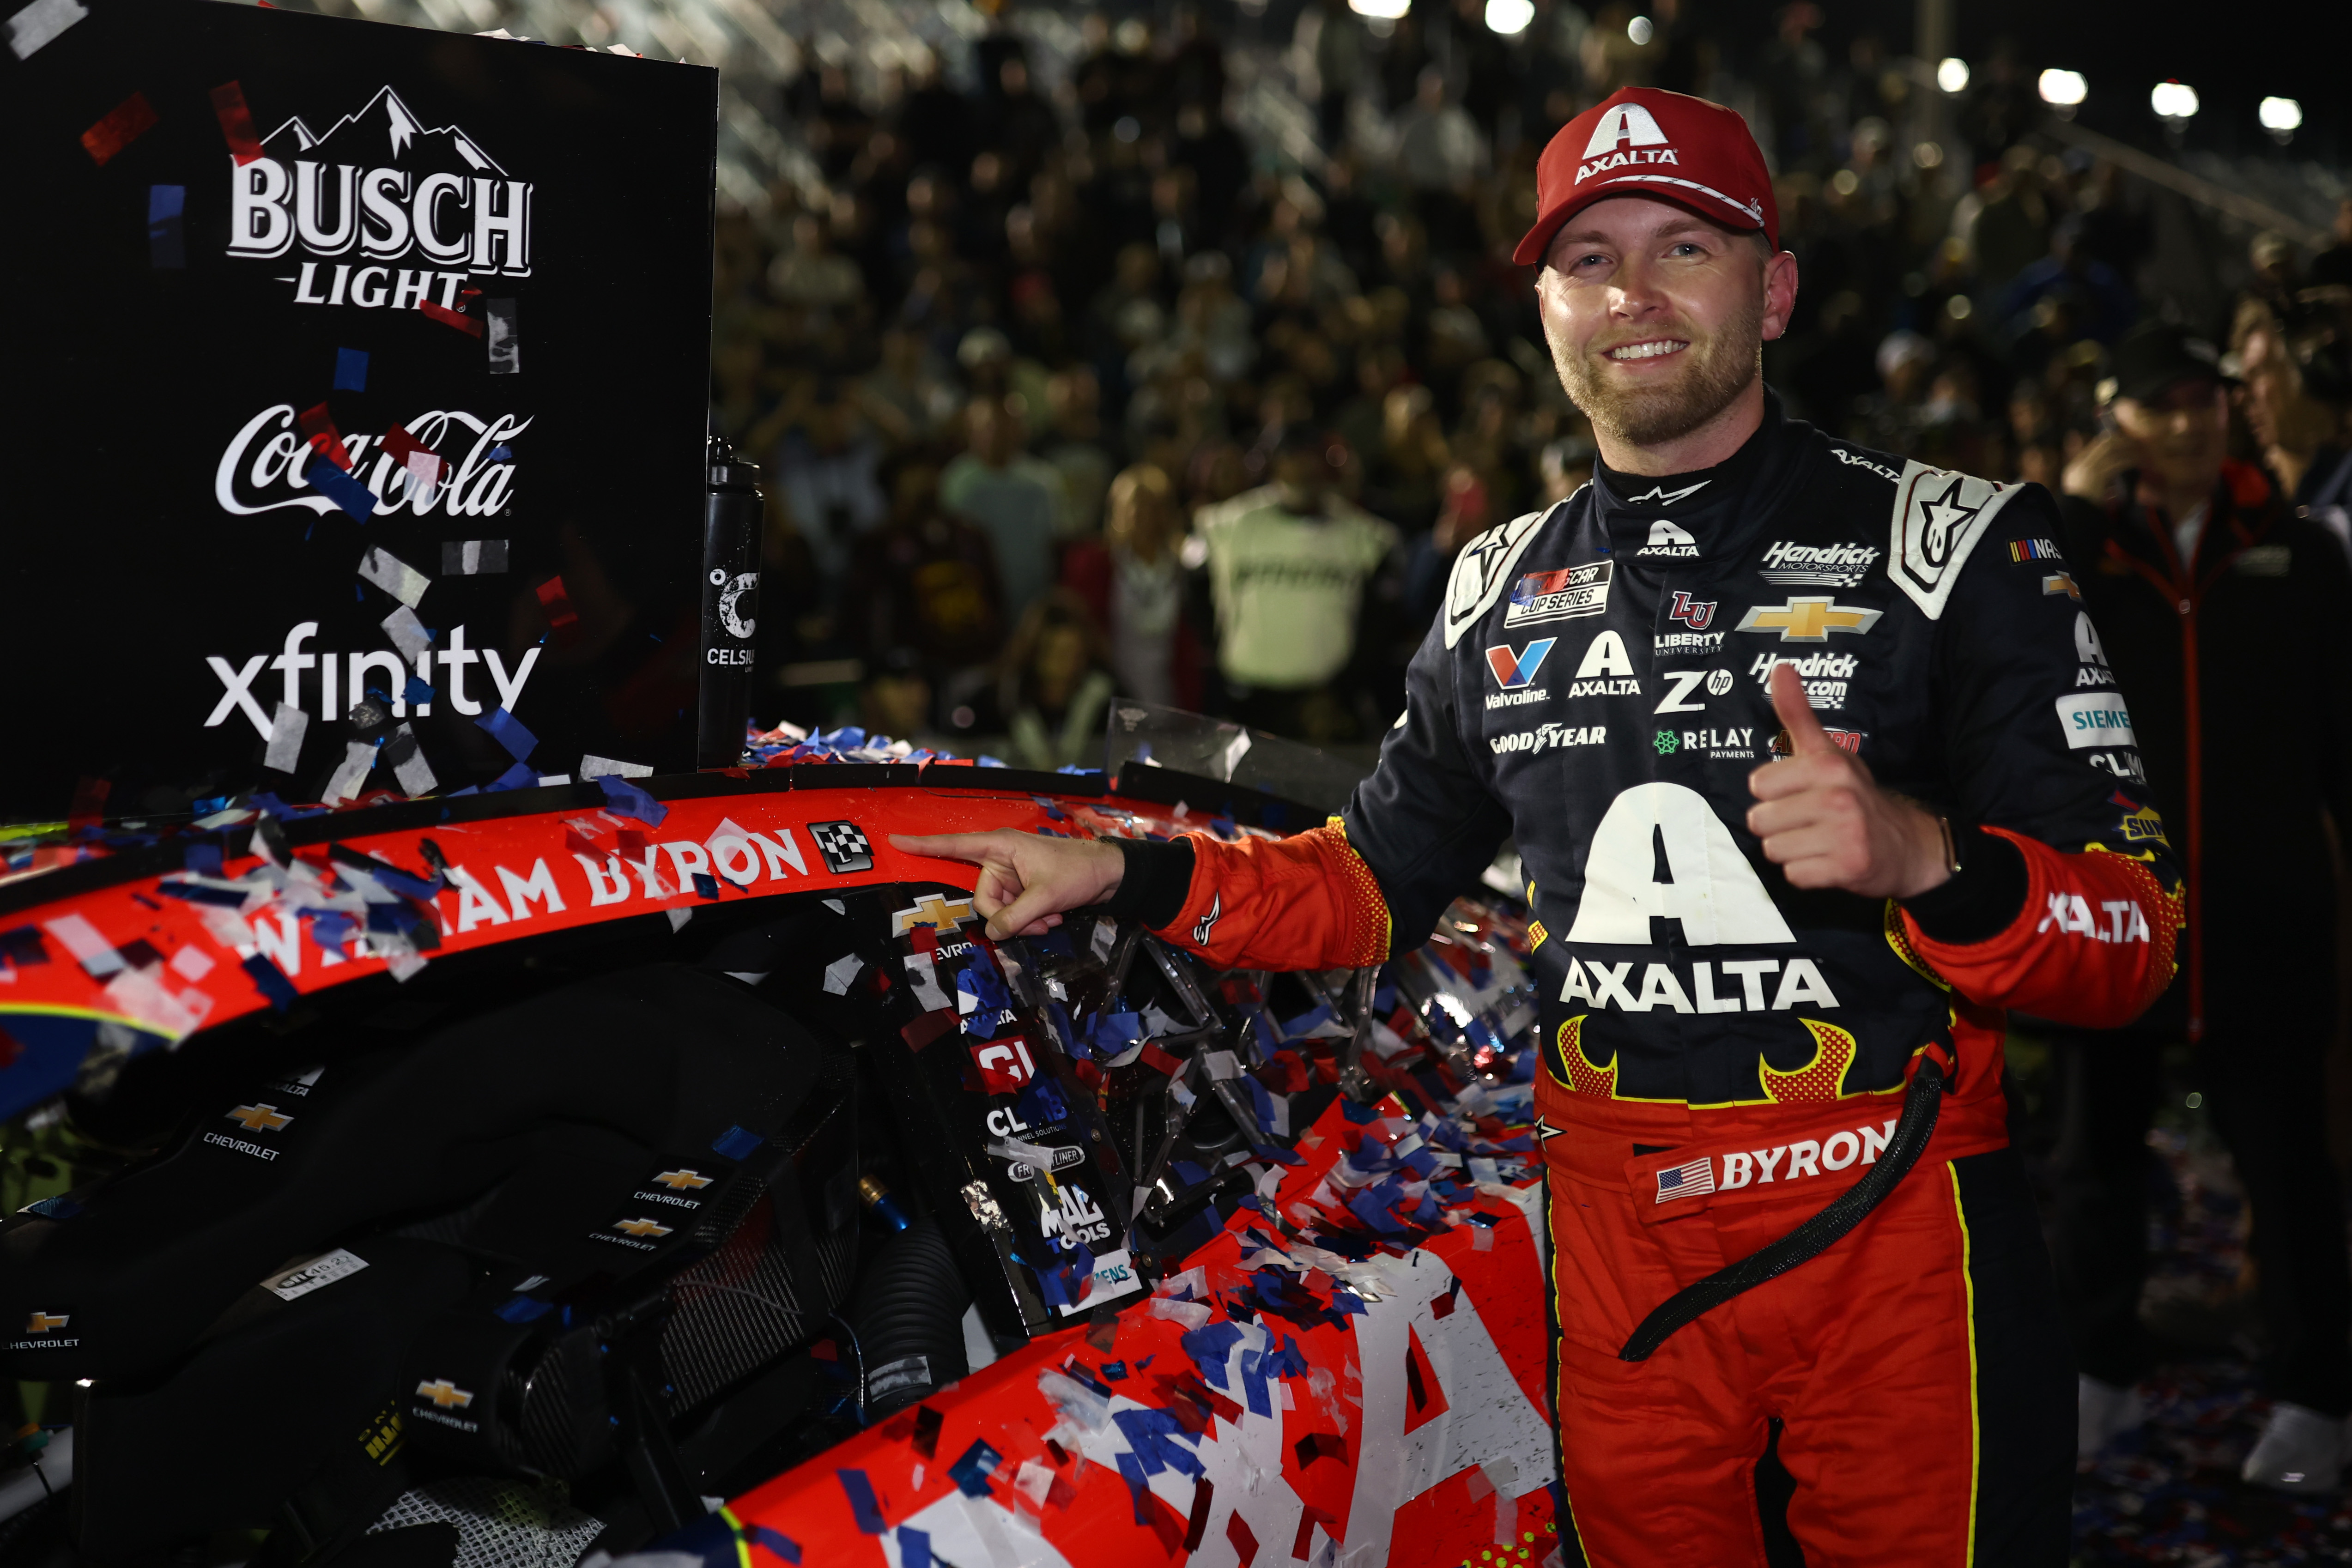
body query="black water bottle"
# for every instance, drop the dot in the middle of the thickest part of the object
(730, 605)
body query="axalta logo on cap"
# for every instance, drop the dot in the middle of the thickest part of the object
(1622, 123)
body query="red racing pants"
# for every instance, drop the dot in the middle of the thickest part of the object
(1915, 1373)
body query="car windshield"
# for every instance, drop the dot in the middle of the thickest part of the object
(1215, 748)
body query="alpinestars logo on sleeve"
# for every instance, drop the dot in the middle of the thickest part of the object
(1208, 923)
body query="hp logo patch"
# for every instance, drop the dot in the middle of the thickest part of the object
(843, 846)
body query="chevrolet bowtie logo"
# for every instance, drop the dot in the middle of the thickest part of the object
(679, 1181)
(2062, 582)
(445, 1394)
(1808, 620)
(939, 914)
(42, 1322)
(260, 1118)
(641, 1227)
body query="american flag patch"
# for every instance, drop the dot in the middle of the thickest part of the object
(1690, 1180)
(2033, 549)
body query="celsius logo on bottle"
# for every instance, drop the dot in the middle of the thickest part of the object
(379, 186)
(261, 469)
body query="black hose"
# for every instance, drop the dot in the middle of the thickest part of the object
(907, 1310)
(1921, 1103)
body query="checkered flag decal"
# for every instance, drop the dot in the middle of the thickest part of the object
(843, 846)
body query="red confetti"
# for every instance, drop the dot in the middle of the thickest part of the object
(1198, 1525)
(236, 124)
(1308, 1520)
(318, 427)
(130, 119)
(1244, 1543)
(400, 445)
(557, 603)
(1160, 1061)
(448, 317)
(927, 1028)
(89, 808)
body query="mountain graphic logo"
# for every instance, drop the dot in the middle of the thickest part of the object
(380, 185)
(1516, 668)
(379, 135)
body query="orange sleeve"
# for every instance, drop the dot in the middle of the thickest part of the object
(1306, 902)
(2093, 944)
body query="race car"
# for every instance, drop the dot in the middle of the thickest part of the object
(670, 1165)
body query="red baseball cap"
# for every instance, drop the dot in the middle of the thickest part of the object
(1667, 146)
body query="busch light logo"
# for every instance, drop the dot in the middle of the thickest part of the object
(380, 186)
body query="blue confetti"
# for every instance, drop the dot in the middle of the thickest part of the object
(775, 1540)
(508, 732)
(1208, 1345)
(623, 798)
(350, 369)
(862, 1502)
(271, 982)
(355, 499)
(736, 1143)
(971, 1472)
(503, 454)
(913, 1547)
(417, 693)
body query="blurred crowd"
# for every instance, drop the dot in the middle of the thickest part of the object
(1073, 391)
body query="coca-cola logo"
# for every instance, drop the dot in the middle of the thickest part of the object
(381, 185)
(261, 470)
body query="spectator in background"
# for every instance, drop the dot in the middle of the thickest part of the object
(927, 581)
(1440, 153)
(1133, 581)
(1074, 447)
(1287, 565)
(1016, 499)
(2298, 388)
(826, 468)
(2245, 766)
(1328, 58)
(1053, 686)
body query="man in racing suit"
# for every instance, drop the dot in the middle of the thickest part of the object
(1750, 967)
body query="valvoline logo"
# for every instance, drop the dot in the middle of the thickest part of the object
(1516, 668)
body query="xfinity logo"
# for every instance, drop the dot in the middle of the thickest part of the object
(379, 184)
(261, 468)
(343, 679)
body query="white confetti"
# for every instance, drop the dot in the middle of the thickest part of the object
(38, 23)
(593, 767)
(359, 756)
(390, 573)
(841, 972)
(407, 633)
(286, 733)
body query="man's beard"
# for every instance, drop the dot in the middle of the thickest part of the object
(1716, 367)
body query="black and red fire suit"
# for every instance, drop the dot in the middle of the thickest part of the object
(1724, 1053)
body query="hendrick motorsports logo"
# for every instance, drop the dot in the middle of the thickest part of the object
(381, 186)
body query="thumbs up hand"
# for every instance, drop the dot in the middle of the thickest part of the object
(1826, 822)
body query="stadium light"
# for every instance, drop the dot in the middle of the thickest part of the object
(2281, 116)
(1640, 30)
(2173, 100)
(1952, 75)
(2065, 89)
(1509, 17)
(1380, 10)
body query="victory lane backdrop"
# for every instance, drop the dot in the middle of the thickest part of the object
(247, 240)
